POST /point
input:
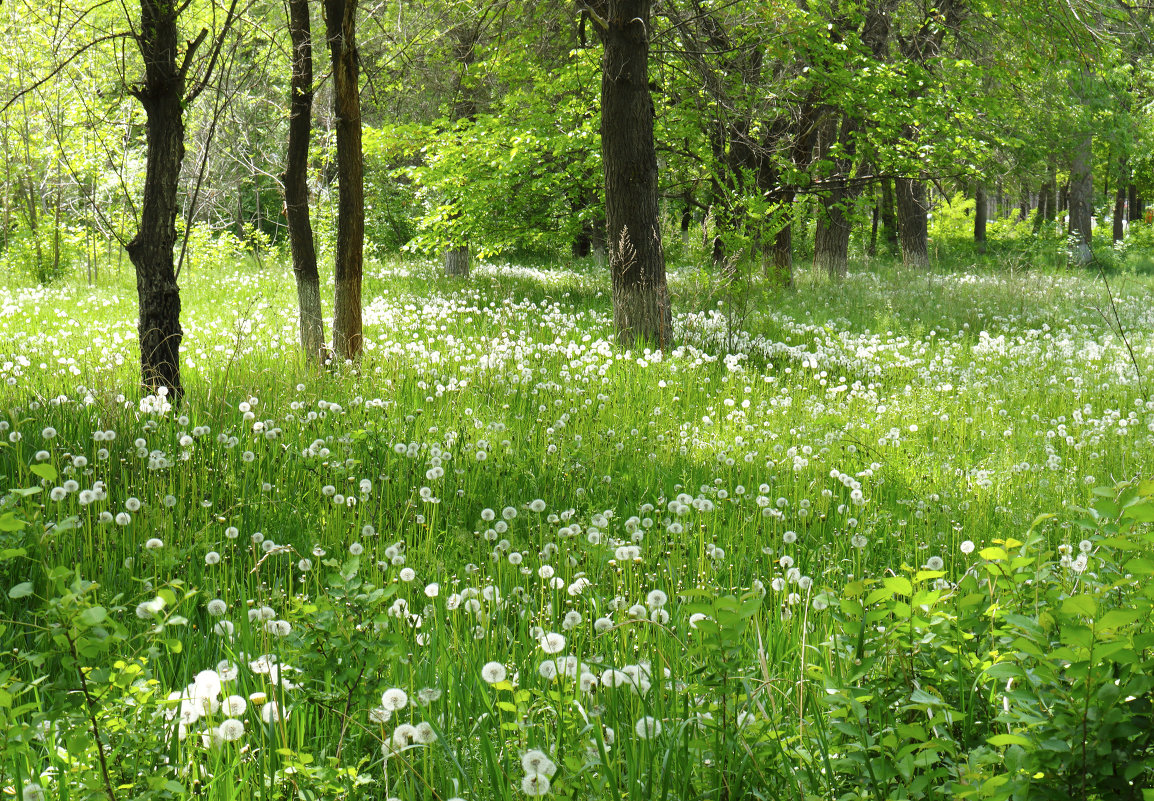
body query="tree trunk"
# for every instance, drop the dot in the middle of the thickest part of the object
(1082, 204)
(340, 25)
(457, 261)
(913, 230)
(1135, 213)
(641, 309)
(980, 219)
(296, 190)
(889, 218)
(1119, 231)
(872, 248)
(781, 273)
(151, 250)
(831, 239)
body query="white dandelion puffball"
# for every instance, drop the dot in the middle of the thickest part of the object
(535, 784)
(394, 699)
(493, 672)
(536, 761)
(647, 727)
(231, 730)
(552, 643)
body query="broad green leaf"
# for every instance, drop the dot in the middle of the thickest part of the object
(1083, 605)
(44, 471)
(20, 590)
(899, 585)
(999, 740)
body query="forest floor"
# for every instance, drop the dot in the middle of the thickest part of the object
(798, 556)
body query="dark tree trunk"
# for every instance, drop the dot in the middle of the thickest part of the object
(889, 217)
(1063, 193)
(872, 249)
(1135, 214)
(913, 229)
(980, 219)
(1082, 203)
(781, 272)
(341, 24)
(457, 261)
(151, 250)
(464, 38)
(641, 309)
(296, 190)
(831, 239)
(1119, 231)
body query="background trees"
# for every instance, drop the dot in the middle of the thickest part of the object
(783, 132)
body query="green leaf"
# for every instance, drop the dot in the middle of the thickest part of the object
(1117, 618)
(1083, 605)
(93, 615)
(20, 590)
(10, 522)
(999, 740)
(899, 585)
(45, 471)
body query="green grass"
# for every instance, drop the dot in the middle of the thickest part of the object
(913, 411)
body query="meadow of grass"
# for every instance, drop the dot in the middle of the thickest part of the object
(798, 556)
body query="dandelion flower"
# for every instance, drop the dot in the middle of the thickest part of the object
(217, 607)
(656, 599)
(426, 734)
(535, 761)
(493, 672)
(552, 643)
(212, 558)
(935, 563)
(234, 706)
(535, 784)
(647, 727)
(394, 699)
(231, 730)
(153, 543)
(967, 547)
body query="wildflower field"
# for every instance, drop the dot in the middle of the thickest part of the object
(880, 539)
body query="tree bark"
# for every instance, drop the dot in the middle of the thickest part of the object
(831, 239)
(889, 218)
(296, 190)
(781, 272)
(1082, 203)
(457, 261)
(913, 230)
(151, 250)
(641, 308)
(340, 25)
(1119, 231)
(872, 248)
(1135, 214)
(980, 219)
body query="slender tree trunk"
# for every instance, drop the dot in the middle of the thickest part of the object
(980, 219)
(913, 230)
(889, 218)
(1082, 203)
(872, 248)
(782, 262)
(151, 250)
(1119, 231)
(340, 25)
(641, 308)
(1135, 214)
(1045, 209)
(296, 189)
